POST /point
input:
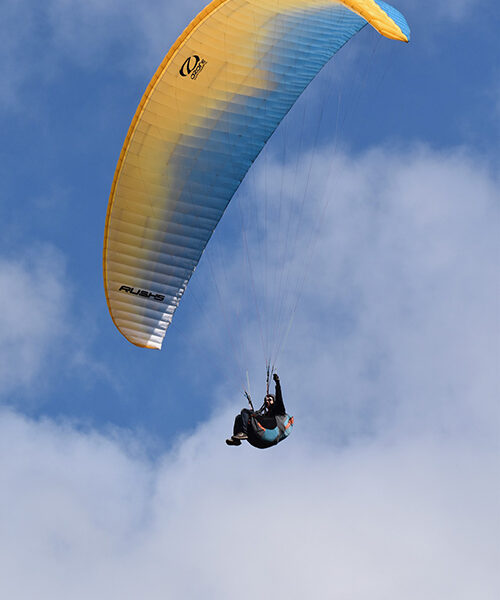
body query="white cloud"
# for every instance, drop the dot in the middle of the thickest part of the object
(84, 28)
(399, 323)
(85, 518)
(45, 333)
(33, 311)
(399, 335)
(38, 39)
(387, 487)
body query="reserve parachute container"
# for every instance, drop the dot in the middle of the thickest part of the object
(217, 97)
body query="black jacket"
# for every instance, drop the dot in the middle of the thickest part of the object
(266, 416)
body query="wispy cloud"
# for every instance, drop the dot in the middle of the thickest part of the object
(39, 39)
(387, 485)
(33, 309)
(398, 325)
(87, 519)
(45, 334)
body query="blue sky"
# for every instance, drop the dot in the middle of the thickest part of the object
(113, 457)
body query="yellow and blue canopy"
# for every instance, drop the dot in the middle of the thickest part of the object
(215, 100)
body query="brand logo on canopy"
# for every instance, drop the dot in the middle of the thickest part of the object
(192, 66)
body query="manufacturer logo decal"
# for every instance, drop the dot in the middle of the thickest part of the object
(192, 66)
(143, 293)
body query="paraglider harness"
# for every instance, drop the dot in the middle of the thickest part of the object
(258, 435)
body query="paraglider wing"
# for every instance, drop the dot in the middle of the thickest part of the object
(215, 100)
